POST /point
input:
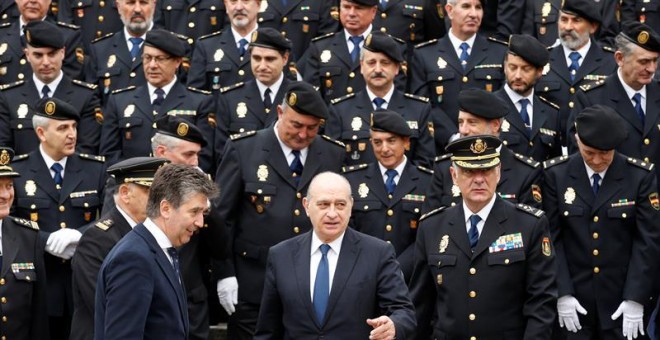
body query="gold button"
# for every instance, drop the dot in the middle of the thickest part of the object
(416, 210)
(473, 294)
(572, 90)
(241, 130)
(285, 20)
(154, 124)
(349, 89)
(298, 195)
(383, 15)
(20, 126)
(2, 282)
(63, 225)
(596, 270)
(61, 208)
(261, 19)
(506, 261)
(27, 278)
(383, 29)
(390, 212)
(488, 77)
(453, 204)
(596, 252)
(646, 159)
(191, 24)
(388, 242)
(351, 75)
(169, 8)
(296, 212)
(571, 104)
(132, 74)
(624, 215)
(473, 338)
(259, 191)
(296, 230)
(86, 205)
(244, 253)
(595, 218)
(4, 318)
(22, 62)
(34, 206)
(58, 187)
(21, 76)
(473, 271)
(465, 79)
(531, 143)
(472, 317)
(647, 141)
(106, 75)
(3, 299)
(213, 8)
(565, 213)
(366, 207)
(192, 9)
(241, 72)
(388, 227)
(595, 236)
(100, 18)
(101, 4)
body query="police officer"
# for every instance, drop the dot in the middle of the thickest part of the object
(645, 11)
(462, 59)
(95, 18)
(221, 59)
(62, 190)
(390, 191)
(603, 211)
(350, 115)
(540, 20)
(252, 105)
(131, 113)
(412, 21)
(134, 176)
(481, 114)
(532, 126)
(264, 176)
(13, 65)
(24, 287)
(484, 268)
(45, 52)
(578, 60)
(192, 18)
(8, 12)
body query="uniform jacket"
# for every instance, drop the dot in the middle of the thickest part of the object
(350, 118)
(412, 21)
(95, 18)
(645, 11)
(138, 293)
(502, 290)
(607, 244)
(192, 18)
(540, 19)
(366, 284)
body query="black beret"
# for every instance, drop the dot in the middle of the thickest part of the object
(482, 103)
(475, 152)
(180, 128)
(43, 34)
(390, 121)
(6, 155)
(304, 99)
(530, 49)
(641, 35)
(380, 42)
(270, 38)
(138, 170)
(165, 41)
(597, 127)
(365, 2)
(582, 8)
(56, 108)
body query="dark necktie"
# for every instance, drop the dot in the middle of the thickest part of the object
(524, 115)
(160, 97)
(322, 284)
(378, 101)
(595, 185)
(390, 185)
(175, 261)
(23, 41)
(45, 92)
(296, 166)
(267, 101)
(135, 50)
(473, 234)
(356, 40)
(637, 98)
(57, 168)
(241, 49)
(464, 55)
(573, 68)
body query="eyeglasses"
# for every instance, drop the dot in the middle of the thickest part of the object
(146, 59)
(244, 2)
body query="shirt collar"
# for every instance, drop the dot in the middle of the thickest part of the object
(483, 213)
(128, 35)
(591, 172)
(387, 97)
(629, 90)
(516, 97)
(364, 34)
(334, 245)
(399, 168)
(238, 37)
(456, 42)
(159, 235)
(49, 161)
(165, 88)
(582, 50)
(273, 88)
(128, 218)
(286, 149)
(52, 86)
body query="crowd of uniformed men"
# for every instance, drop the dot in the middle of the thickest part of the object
(90, 88)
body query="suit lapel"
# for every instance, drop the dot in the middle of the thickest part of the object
(540, 116)
(611, 184)
(376, 184)
(340, 49)
(457, 232)
(71, 177)
(513, 117)
(122, 53)
(506, 159)
(9, 245)
(41, 171)
(174, 99)
(254, 103)
(478, 53)
(276, 158)
(407, 183)
(142, 101)
(652, 107)
(446, 48)
(558, 64)
(493, 227)
(579, 179)
(622, 103)
(312, 163)
(301, 263)
(590, 62)
(64, 89)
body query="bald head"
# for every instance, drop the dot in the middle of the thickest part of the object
(328, 204)
(328, 179)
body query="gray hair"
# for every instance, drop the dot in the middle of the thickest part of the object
(175, 183)
(167, 141)
(624, 45)
(40, 121)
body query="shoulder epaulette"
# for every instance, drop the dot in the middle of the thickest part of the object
(543, 99)
(342, 98)
(334, 141)
(592, 85)
(66, 24)
(231, 87)
(505, 43)
(6, 24)
(347, 169)
(100, 159)
(132, 87)
(399, 40)
(10, 85)
(552, 162)
(530, 210)
(323, 36)
(442, 157)
(23, 222)
(209, 35)
(424, 169)
(105, 224)
(432, 41)
(243, 135)
(194, 89)
(640, 163)
(527, 160)
(84, 84)
(609, 49)
(20, 157)
(431, 213)
(420, 98)
(103, 37)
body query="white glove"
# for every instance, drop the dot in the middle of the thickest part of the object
(228, 294)
(633, 318)
(567, 309)
(59, 240)
(68, 252)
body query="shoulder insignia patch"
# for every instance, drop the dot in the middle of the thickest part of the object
(506, 43)
(530, 210)
(342, 98)
(648, 166)
(552, 162)
(334, 141)
(100, 159)
(105, 224)
(84, 84)
(424, 169)
(25, 223)
(20, 157)
(426, 43)
(543, 99)
(103, 37)
(65, 24)
(431, 213)
(243, 135)
(132, 87)
(527, 160)
(347, 169)
(442, 157)
(10, 85)
(324, 36)
(592, 85)
(194, 89)
(231, 87)
(420, 98)
(209, 35)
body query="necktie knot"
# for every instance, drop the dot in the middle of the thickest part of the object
(575, 56)
(390, 185)
(135, 49)
(378, 101)
(160, 96)
(241, 49)
(637, 97)
(324, 249)
(45, 92)
(356, 40)
(57, 168)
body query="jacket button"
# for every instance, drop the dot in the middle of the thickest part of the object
(596, 270)
(472, 317)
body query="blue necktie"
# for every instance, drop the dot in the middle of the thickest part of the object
(284, 3)
(267, 101)
(473, 234)
(390, 185)
(160, 97)
(464, 55)
(524, 115)
(175, 261)
(241, 49)
(135, 50)
(378, 101)
(296, 166)
(45, 92)
(322, 284)
(573, 68)
(637, 98)
(57, 167)
(356, 40)
(595, 186)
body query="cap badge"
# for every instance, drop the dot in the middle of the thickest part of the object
(254, 36)
(367, 42)
(479, 146)
(643, 37)
(50, 108)
(182, 129)
(4, 157)
(293, 99)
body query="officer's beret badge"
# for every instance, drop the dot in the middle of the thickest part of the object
(182, 129)
(50, 108)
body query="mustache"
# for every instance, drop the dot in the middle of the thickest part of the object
(377, 75)
(571, 34)
(240, 12)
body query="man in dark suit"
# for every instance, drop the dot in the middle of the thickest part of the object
(263, 177)
(139, 293)
(62, 190)
(390, 190)
(354, 281)
(484, 268)
(131, 113)
(45, 54)
(252, 105)
(22, 269)
(134, 176)
(520, 176)
(350, 115)
(531, 127)
(221, 59)
(603, 211)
